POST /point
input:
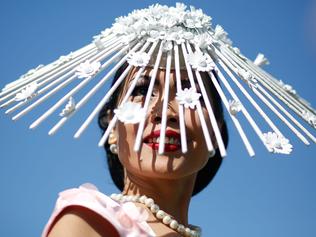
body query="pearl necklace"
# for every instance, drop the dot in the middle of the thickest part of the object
(160, 214)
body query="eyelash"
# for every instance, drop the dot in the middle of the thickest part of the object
(141, 90)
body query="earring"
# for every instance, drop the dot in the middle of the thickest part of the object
(113, 148)
(212, 153)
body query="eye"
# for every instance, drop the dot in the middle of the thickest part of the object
(141, 90)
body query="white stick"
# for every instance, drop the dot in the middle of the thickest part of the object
(66, 68)
(141, 125)
(94, 90)
(74, 90)
(53, 91)
(165, 106)
(210, 111)
(238, 126)
(127, 95)
(55, 80)
(206, 133)
(184, 145)
(53, 67)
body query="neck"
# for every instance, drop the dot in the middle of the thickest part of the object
(171, 195)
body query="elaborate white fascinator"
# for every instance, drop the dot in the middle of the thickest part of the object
(172, 38)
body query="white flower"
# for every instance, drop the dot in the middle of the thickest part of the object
(287, 88)
(238, 53)
(234, 107)
(32, 71)
(167, 46)
(196, 19)
(87, 69)
(27, 92)
(97, 40)
(176, 34)
(277, 143)
(69, 108)
(130, 113)
(221, 34)
(202, 40)
(138, 59)
(201, 62)
(188, 97)
(247, 77)
(261, 60)
(309, 117)
(63, 59)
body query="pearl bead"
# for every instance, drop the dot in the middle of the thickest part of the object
(160, 214)
(181, 228)
(119, 197)
(129, 198)
(154, 208)
(142, 199)
(149, 202)
(166, 220)
(174, 224)
(135, 198)
(187, 232)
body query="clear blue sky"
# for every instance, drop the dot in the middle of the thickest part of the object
(267, 196)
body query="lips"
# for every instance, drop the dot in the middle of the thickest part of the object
(172, 140)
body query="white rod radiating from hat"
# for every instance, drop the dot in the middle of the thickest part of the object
(205, 129)
(218, 135)
(141, 125)
(243, 109)
(64, 74)
(54, 70)
(184, 145)
(56, 89)
(76, 89)
(162, 136)
(91, 92)
(127, 95)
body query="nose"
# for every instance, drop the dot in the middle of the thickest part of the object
(172, 115)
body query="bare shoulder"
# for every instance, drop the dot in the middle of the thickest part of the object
(77, 221)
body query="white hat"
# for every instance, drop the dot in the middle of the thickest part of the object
(171, 38)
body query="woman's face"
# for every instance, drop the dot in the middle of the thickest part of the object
(172, 164)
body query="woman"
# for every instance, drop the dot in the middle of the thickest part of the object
(168, 180)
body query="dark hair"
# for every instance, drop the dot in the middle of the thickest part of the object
(204, 176)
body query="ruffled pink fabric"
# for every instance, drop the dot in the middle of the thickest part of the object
(129, 220)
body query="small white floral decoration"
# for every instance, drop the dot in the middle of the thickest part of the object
(237, 52)
(189, 98)
(201, 61)
(261, 60)
(87, 69)
(277, 143)
(130, 113)
(247, 77)
(97, 40)
(221, 34)
(309, 117)
(69, 107)
(167, 46)
(138, 59)
(32, 71)
(287, 88)
(234, 107)
(64, 59)
(203, 41)
(28, 92)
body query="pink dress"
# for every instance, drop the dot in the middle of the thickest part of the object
(127, 219)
